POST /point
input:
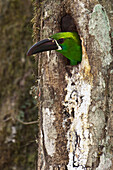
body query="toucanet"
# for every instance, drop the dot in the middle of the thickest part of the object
(66, 43)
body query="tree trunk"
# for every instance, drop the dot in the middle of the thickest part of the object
(75, 102)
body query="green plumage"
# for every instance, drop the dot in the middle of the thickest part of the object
(66, 43)
(71, 47)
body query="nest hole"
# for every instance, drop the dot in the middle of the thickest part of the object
(67, 24)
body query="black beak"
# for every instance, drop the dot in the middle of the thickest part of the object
(44, 45)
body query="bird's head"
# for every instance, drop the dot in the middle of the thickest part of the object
(66, 43)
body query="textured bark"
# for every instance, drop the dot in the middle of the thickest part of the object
(76, 101)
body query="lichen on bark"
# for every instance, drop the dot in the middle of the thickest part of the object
(74, 105)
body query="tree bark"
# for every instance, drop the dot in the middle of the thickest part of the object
(75, 102)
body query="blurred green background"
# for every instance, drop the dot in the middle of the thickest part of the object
(18, 148)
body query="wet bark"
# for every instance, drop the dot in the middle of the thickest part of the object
(75, 102)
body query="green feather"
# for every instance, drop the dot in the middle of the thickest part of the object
(71, 47)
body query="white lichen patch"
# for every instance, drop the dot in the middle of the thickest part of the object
(48, 56)
(99, 27)
(105, 162)
(52, 60)
(79, 138)
(50, 133)
(101, 81)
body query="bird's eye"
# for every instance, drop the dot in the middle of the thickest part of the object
(60, 41)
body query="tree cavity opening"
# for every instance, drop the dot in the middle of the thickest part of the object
(68, 25)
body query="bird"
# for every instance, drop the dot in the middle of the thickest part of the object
(66, 43)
